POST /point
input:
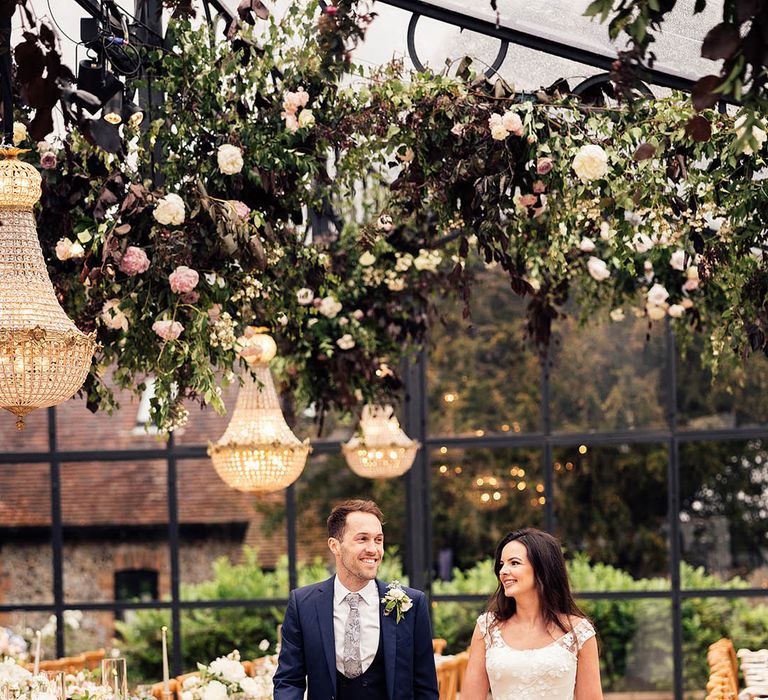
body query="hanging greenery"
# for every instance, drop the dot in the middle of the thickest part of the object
(646, 208)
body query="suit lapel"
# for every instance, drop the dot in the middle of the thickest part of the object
(324, 610)
(389, 638)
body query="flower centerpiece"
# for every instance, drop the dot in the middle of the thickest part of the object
(17, 682)
(225, 677)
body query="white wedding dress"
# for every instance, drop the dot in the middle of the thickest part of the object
(532, 674)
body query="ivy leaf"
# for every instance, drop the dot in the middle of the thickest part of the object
(721, 42)
(645, 151)
(699, 128)
(703, 94)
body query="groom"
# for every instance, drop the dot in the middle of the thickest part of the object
(338, 640)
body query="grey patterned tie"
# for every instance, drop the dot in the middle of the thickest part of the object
(353, 667)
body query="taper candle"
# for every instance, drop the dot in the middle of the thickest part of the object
(166, 678)
(38, 637)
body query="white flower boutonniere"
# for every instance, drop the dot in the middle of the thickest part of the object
(396, 599)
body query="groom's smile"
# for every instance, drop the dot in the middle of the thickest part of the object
(359, 551)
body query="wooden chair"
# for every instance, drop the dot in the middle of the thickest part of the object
(180, 679)
(723, 683)
(67, 664)
(438, 645)
(173, 688)
(754, 669)
(93, 658)
(463, 660)
(448, 678)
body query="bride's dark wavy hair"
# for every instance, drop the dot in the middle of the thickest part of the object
(550, 575)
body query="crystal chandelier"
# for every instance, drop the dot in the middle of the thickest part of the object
(44, 357)
(382, 450)
(258, 453)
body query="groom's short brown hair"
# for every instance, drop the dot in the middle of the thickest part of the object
(338, 517)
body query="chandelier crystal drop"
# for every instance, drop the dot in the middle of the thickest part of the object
(381, 450)
(44, 357)
(258, 452)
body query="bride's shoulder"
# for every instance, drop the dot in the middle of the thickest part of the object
(485, 621)
(581, 627)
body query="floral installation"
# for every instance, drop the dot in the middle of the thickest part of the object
(16, 682)
(396, 599)
(226, 677)
(607, 206)
(12, 645)
(87, 685)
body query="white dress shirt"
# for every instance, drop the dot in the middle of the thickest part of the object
(369, 622)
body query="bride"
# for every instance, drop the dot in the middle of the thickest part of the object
(533, 642)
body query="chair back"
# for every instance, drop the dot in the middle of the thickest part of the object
(448, 679)
(438, 645)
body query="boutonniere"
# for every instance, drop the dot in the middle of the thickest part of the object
(396, 599)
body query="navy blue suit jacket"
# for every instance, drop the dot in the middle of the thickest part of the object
(308, 651)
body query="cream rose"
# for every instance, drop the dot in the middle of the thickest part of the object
(657, 295)
(169, 210)
(167, 330)
(346, 342)
(598, 269)
(676, 311)
(590, 163)
(677, 261)
(230, 159)
(587, 245)
(305, 296)
(367, 259)
(306, 118)
(112, 316)
(20, 133)
(329, 307)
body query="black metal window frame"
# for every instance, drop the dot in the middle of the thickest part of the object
(419, 559)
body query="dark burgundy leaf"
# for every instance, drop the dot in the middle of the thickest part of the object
(47, 36)
(463, 247)
(702, 94)
(122, 229)
(41, 125)
(721, 42)
(248, 8)
(699, 128)
(698, 242)
(30, 61)
(645, 151)
(102, 134)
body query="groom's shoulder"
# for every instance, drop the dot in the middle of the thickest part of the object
(306, 591)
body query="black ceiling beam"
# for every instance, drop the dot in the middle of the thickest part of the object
(538, 42)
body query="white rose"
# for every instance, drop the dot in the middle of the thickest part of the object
(512, 123)
(64, 249)
(112, 316)
(758, 135)
(657, 295)
(396, 593)
(229, 669)
(587, 245)
(655, 313)
(756, 254)
(42, 695)
(169, 210)
(598, 269)
(617, 314)
(230, 159)
(20, 133)
(395, 284)
(305, 296)
(367, 259)
(214, 690)
(264, 645)
(498, 132)
(346, 342)
(329, 307)
(250, 686)
(676, 311)
(642, 243)
(306, 118)
(187, 695)
(282, 319)
(191, 682)
(606, 232)
(590, 163)
(406, 606)
(677, 261)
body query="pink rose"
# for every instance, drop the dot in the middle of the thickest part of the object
(331, 10)
(48, 160)
(183, 279)
(291, 123)
(512, 123)
(167, 330)
(134, 261)
(539, 187)
(190, 298)
(241, 208)
(543, 166)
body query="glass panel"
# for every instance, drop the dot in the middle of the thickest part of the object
(26, 566)
(204, 424)
(482, 377)
(723, 514)
(635, 642)
(478, 496)
(77, 428)
(611, 510)
(735, 397)
(232, 544)
(607, 376)
(34, 437)
(705, 620)
(115, 517)
(138, 638)
(208, 633)
(454, 622)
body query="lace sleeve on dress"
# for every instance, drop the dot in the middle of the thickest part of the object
(484, 624)
(584, 631)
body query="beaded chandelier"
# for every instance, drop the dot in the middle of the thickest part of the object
(44, 357)
(382, 450)
(258, 452)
